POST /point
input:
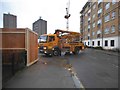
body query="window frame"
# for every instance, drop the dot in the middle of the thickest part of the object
(93, 16)
(112, 30)
(107, 17)
(94, 6)
(88, 43)
(114, 2)
(112, 44)
(113, 14)
(93, 25)
(106, 30)
(93, 43)
(107, 6)
(106, 43)
(93, 33)
(98, 43)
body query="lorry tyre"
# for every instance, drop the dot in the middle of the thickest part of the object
(56, 52)
(76, 51)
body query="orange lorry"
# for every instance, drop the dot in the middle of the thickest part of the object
(60, 41)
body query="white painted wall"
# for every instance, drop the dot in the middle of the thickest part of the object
(116, 42)
(119, 42)
(109, 39)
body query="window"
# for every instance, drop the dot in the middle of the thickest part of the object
(107, 6)
(98, 33)
(88, 28)
(106, 31)
(99, 12)
(99, 23)
(93, 25)
(112, 42)
(99, 1)
(94, 6)
(106, 42)
(93, 33)
(88, 14)
(113, 2)
(107, 18)
(89, 11)
(113, 15)
(88, 43)
(93, 43)
(93, 16)
(119, 26)
(99, 5)
(51, 38)
(88, 20)
(88, 37)
(98, 43)
(112, 28)
(89, 5)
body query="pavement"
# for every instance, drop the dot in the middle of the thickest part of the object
(115, 53)
(42, 75)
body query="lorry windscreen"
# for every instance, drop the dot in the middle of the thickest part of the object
(43, 39)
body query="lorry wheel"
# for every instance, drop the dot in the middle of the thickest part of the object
(76, 51)
(56, 52)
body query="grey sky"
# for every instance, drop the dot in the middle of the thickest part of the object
(53, 11)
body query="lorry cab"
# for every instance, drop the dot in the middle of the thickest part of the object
(48, 44)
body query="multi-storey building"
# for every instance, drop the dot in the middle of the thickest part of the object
(40, 27)
(9, 21)
(100, 24)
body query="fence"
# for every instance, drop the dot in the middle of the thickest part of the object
(19, 49)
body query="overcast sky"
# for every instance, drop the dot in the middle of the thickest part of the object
(53, 11)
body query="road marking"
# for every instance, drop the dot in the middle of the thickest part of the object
(77, 82)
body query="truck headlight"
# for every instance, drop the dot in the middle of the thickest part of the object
(45, 48)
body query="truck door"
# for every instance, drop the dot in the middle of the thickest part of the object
(51, 41)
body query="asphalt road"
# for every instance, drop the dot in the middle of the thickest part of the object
(96, 68)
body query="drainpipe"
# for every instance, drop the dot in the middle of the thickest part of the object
(102, 24)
